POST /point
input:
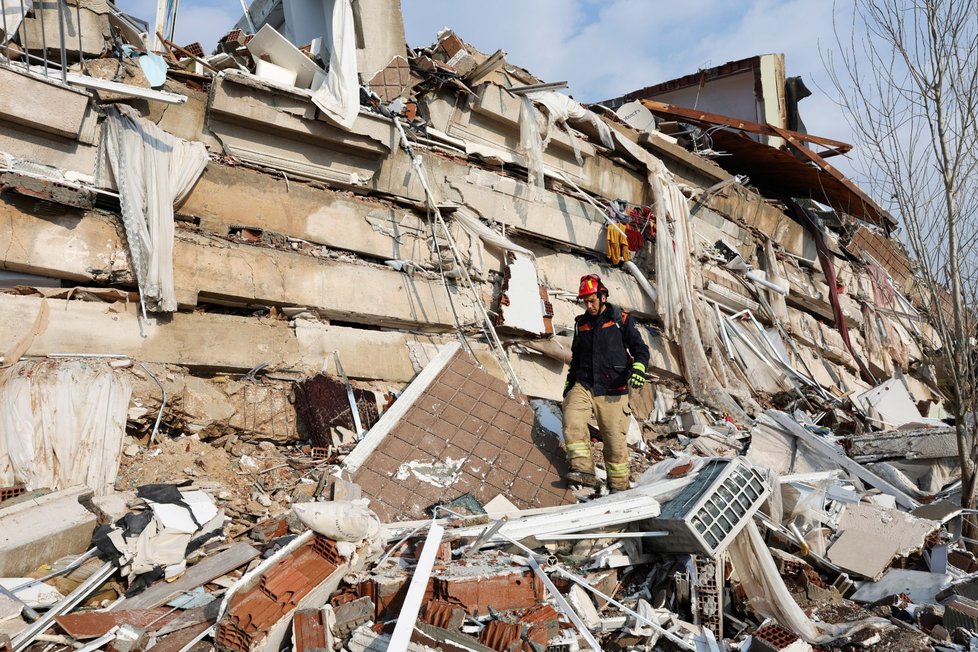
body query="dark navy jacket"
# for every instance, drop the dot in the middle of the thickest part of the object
(603, 350)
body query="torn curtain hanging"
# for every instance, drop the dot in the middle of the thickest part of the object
(154, 170)
(62, 424)
(339, 95)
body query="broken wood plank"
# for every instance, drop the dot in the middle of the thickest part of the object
(204, 571)
(744, 125)
(179, 640)
(94, 624)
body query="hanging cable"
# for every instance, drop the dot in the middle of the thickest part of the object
(444, 280)
(487, 326)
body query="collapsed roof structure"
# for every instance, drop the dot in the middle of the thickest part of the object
(319, 263)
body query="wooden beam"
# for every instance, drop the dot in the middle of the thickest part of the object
(197, 575)
(693, 115)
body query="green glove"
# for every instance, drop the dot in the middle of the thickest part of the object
(637, 379)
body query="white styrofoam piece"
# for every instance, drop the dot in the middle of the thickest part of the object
(274, 73)
(269, 43)
(525, 309)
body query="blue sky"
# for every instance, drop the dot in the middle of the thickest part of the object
(604, 48)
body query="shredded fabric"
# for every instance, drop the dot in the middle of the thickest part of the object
(153, 171)
(339, 96)
(531, 143)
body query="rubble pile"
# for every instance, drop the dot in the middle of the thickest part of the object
(285, 329)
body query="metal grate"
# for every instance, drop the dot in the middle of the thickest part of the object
(712, 509)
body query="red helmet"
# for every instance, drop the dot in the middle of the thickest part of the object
(591, 284)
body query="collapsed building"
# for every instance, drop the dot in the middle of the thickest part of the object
(319, 264)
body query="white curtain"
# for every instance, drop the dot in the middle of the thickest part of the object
(339, 96)
(154, 170)
(62, 424)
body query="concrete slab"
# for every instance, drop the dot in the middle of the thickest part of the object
(42, 105)
(44, 529)
(922, 586)
(870, 538)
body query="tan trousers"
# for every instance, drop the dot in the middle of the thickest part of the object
(613, 416)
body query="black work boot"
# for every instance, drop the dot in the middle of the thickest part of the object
(583, 478)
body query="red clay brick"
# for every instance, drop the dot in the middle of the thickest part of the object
(432, 444)
(430, 404)
(368, 479)
(453, 415)
(506, 422)
(398, 448)
(464, 440)
(537, 457)
(523, 489)
(513, 408)
(452, 378)
(444, 429)
(418, 416)
(532, 473)
(472, 390)
(474, 426)
(499, 479)
(383, 464)
(472, 478)
(462, 366)
(442, 392)
(464, 403)
(467, 483)
(454, 452)
(509, 462)
(497, 437)
(493, 400)
(484, 412)
(519, 446)
(486, 451)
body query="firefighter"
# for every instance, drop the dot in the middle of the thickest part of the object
(607, 356)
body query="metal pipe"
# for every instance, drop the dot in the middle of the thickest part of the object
(95, 580)
(159, 416)
(61, 32)
(44, 42)
(28, 613)
(78, 28)
(756, 277)
(349, 395)
(247, 17)
(599, 535)
(61, 571)
(6, 34)
(558, 597)
(23, 24)
(485, 536)
(87, 355)
(634, 614)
